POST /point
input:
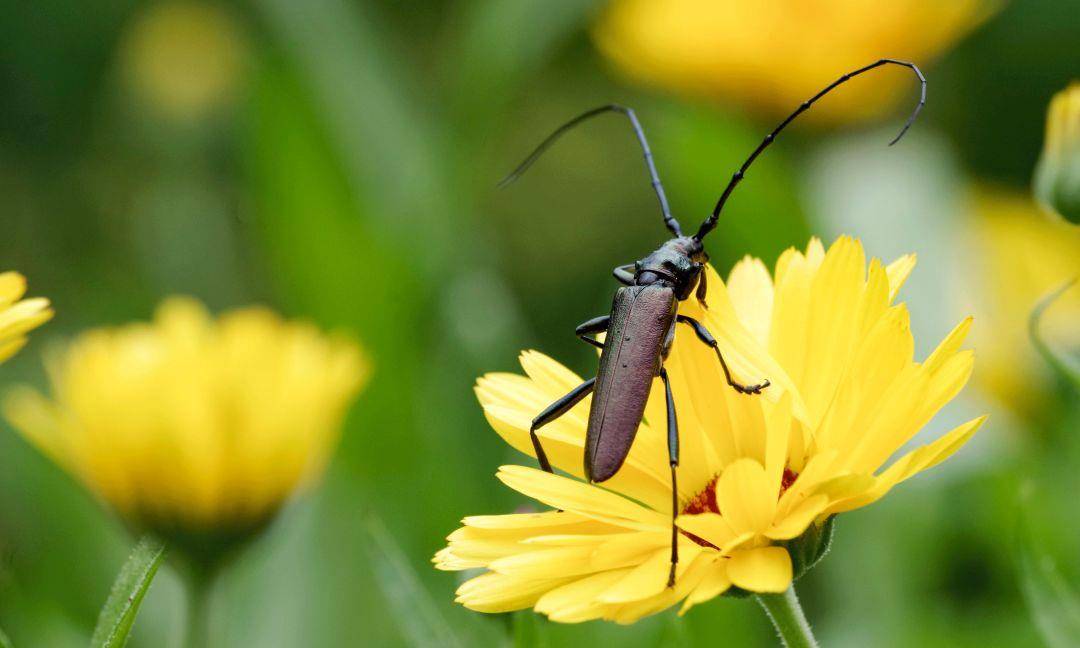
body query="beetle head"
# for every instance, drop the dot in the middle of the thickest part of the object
(677, 263)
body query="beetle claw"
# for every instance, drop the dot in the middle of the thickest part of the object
(750, 389)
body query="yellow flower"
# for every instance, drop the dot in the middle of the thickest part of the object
(1057, 177)
(1015, 257)
(758, 474)
(773, 54)
(194, 428)
(17, 318)
(184, 58)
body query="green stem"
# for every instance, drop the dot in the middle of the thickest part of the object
(787, 617)
(199, 591)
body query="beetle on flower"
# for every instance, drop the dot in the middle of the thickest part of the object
(761, 477)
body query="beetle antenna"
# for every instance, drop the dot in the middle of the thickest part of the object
(710, 222)
(665, 210)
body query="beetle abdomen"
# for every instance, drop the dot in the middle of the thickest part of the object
(640, 319)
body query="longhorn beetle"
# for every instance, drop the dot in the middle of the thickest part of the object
(644, 313)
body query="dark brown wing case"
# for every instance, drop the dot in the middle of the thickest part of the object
(640, 319)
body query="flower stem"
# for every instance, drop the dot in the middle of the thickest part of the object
(787, 617)
(199, 590)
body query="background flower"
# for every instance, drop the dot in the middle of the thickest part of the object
(776, 53)
(194, 428)
(1016, 257)
(1057, 177)
(18, 316)
(183, 58)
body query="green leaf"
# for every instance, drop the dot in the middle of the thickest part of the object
(416, 614)
(118, 615)
(1063, 366)
(4, 641)
(1054, 605)
(808, 549)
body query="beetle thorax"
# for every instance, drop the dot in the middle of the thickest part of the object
(677, 263)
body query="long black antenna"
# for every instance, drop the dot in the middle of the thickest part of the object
(669, 220)
(710, 222)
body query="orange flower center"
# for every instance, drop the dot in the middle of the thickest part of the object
(705, 502)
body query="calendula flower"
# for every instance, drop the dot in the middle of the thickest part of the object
(1057, 177)
(18, 316)
(194, 428)
(1014, 257)
(761, 476)
(183, 58)
(773, 54)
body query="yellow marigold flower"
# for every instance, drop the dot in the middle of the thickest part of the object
(1018, 257)
(18, 316)
(184, 58)
(194, 428)
(1057, 177)
(773, 54)
(758, 474)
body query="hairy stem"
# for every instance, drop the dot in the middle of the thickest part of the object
(787, 617)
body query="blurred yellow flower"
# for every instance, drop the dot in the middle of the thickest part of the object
(1015, 257)
(17, 318)
(1057, 177)
(758, 474)
(773, 54)
(183, 58)
(193, 428)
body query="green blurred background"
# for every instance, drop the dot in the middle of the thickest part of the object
(336, 159)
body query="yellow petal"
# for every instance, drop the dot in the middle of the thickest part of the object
(796, 522)
(546, 563)
(12, 287)
(688, 576)
(899, 271)
(578, 601)
(588, 500)
(778, 424)
(745, 497)
(493, 592)
(510, 403)
(623, 550)
(650, 577)
(552, 376)
(751, 291)
(834, 302)
(710, 527)
(764, 569)
(949, 346)
(24, 316)
(531, 521)
(747, 359)
(714, 583)
(916, 461)
(9, 348)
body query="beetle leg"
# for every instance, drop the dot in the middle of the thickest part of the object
(702, 288)
(706, 337)
(595, 325)
(554, 411)
(624, 274)
(673, 456)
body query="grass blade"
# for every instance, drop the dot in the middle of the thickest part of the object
(419, 620)
(1053, 604)
(118, 615)
(1059, 362)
